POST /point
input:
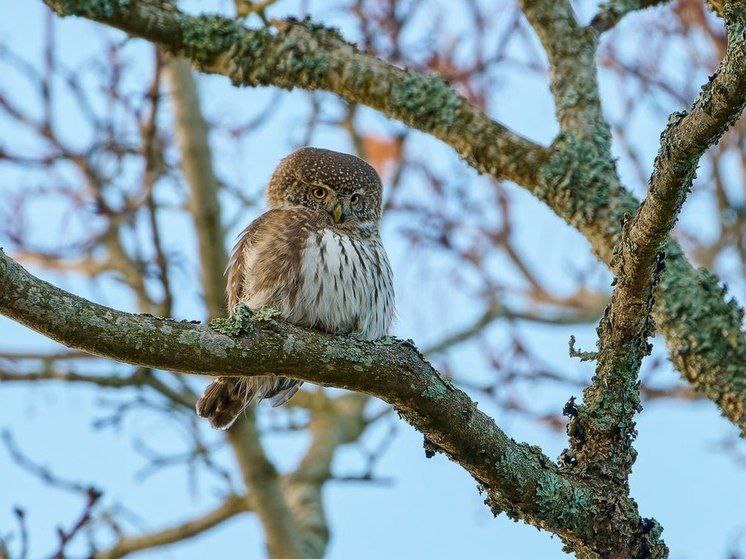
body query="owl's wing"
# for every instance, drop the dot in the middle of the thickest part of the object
(266, 259)
(268, 251)
(237, 265)
(236, 269)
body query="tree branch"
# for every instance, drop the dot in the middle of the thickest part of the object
(603, 428)
(233, 505)
(686, 138)
(302, 54)
(611, 12)
(571, 50)
(518, 478)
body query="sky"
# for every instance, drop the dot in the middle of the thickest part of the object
(432, 508)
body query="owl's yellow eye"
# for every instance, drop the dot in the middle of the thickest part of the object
(319, 193)
(355, 199)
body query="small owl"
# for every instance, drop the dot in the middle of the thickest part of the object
(316, 257)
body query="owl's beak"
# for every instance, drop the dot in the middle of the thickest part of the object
(337, 212)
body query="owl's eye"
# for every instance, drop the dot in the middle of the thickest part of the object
(355, 199)
(319, 193)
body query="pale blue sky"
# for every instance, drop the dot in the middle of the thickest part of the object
(433, 509)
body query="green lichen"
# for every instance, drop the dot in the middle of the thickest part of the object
(575, 179)
(265, 314)
(704, 336)
(324, 34)
(426, 101)
(293, 345)
(206, 36)
(217, 346)
(434, 391)
(347, 352)
(558, 501)
(288, 59)
(237, 324)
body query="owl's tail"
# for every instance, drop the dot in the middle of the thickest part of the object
(225, 398)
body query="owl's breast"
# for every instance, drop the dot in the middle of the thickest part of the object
(345, 285)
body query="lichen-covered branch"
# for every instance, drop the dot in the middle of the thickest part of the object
(719, 105)
(517, 477)
(612, 399)
(583, 152)
(603, 428)
(571, 50)
(301, 54)
(702, 327)
(586, 143)
(686, 138)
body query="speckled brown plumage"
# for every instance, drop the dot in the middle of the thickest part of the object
(316, 257)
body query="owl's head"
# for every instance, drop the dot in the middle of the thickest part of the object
(341, 185)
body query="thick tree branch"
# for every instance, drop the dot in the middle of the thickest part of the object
(602, 430)
(301, 54)
(519, 479)
(688, 135)
(571, 52)
(702, 329)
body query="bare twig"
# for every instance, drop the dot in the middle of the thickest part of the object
(231, 506)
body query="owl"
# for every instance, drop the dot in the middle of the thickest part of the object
(316, 257)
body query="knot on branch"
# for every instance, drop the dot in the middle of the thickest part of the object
(575, 432)
(570, 409)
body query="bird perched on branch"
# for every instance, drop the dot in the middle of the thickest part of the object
(316, 257)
